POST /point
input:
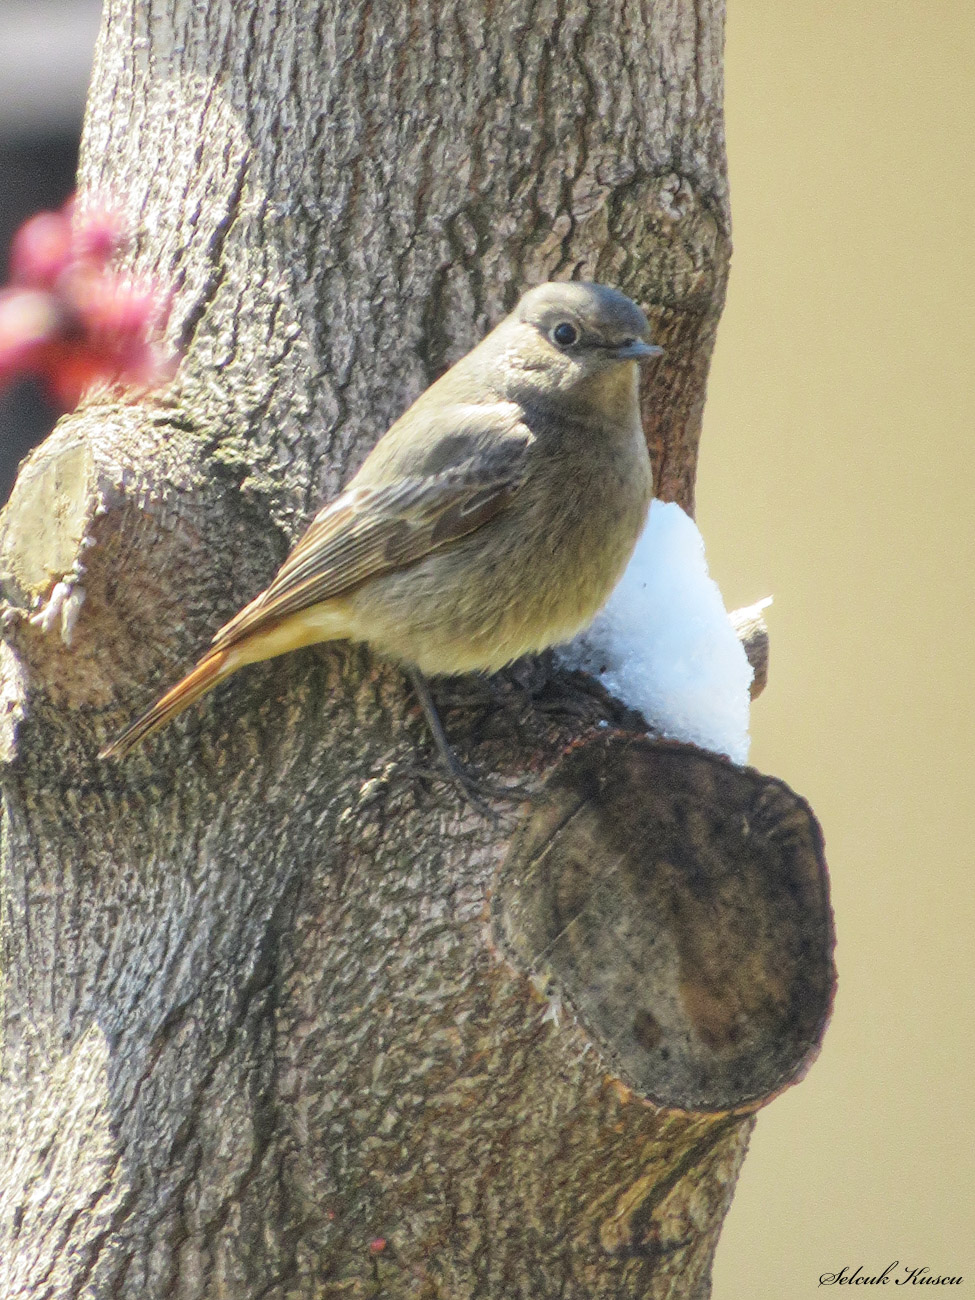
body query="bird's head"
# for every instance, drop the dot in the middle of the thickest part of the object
(565, 335)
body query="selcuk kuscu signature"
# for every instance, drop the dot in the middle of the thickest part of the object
(912, 1277)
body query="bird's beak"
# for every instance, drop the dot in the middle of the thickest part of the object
(636, 350)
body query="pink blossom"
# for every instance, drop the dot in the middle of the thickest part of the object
(41, 250)
(68, 318)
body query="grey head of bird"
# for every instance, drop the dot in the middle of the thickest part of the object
(569, 337)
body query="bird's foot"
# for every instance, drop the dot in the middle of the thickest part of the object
(473, 788)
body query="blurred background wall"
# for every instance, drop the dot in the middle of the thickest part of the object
(838, 473)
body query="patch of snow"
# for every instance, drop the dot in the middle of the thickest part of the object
(664, 645)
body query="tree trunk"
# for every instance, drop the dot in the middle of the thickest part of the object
(262, 1035)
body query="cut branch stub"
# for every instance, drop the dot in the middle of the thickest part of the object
(678, 906)
(752, 631)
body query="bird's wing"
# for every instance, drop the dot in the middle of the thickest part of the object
(374, 528)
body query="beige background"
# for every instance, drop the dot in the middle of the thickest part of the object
(837, 473)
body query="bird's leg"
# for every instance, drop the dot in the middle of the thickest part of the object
(470, 787)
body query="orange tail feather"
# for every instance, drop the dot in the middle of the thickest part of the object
(213, 668)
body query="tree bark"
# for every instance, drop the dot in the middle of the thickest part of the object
(261, 1035)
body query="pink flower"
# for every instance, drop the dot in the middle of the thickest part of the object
(68, 318)
(28, 321)
(41, 250)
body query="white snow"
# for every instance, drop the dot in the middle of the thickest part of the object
(663, 643)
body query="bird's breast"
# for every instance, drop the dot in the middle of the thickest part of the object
(532, 577)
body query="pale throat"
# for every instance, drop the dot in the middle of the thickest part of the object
(612, 394)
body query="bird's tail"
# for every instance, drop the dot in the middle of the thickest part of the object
(211, 669)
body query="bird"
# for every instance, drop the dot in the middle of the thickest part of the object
(490, 521)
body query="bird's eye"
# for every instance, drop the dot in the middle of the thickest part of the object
(565, 334)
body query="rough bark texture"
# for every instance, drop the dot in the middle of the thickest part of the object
(254, 1018)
